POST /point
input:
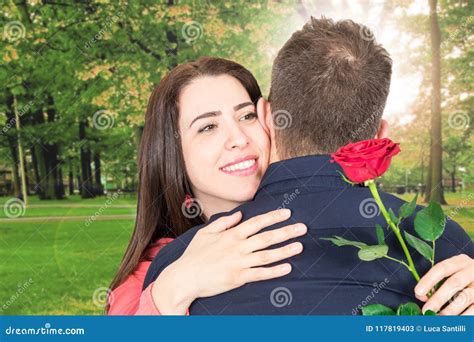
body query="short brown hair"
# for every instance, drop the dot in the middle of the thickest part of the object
(332, 79)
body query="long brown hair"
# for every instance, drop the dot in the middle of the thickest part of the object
(163, 182)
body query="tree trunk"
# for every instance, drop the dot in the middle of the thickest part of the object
(98, 185)
(86, 187)
(35, 167)
(12, 144)
(453, 180)
(15, 177)
(71, 180)
(436, 153)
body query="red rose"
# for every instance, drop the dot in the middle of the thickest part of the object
(367, 159)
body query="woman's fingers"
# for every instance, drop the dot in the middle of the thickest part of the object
(264, 273)
(257, 223)
(274, 236)
(223, 223)
(438, 272)
(451, 286)
(273, 255)
(463, 300)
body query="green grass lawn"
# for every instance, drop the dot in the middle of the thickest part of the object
(68, 261)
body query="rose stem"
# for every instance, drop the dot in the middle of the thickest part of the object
(396, 230)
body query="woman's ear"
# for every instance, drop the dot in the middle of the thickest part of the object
(383, 130)
(263, 113)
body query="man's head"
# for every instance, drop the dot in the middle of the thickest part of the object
(329, 85)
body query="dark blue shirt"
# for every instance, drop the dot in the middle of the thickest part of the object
(325, 279)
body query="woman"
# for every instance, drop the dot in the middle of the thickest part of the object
(202, 140)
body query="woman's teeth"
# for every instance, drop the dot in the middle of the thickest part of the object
(240, 166)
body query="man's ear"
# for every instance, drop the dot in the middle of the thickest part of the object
(264, 115)
(383, 130)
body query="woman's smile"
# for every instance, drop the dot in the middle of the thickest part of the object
(241, 166)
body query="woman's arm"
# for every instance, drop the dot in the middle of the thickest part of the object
(125, 299)
(223, 256)
(147, 305)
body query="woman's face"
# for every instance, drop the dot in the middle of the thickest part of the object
(226, 150)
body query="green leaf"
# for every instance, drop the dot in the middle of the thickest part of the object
(422, 247)
(380, 234)
(430, 222)
(408, 208)
(393, 217)
(377, 310)
(409, 309)
(429, 313)
(339, 241)
(370, 253)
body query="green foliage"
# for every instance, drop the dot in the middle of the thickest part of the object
(421, 247)
(380, 234)
(370, 253)
(408, 208)
(430, 222)
(407, 309)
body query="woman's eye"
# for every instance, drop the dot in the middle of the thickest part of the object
(249, 116)
(207, 128)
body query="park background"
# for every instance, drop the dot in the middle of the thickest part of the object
(76, 77)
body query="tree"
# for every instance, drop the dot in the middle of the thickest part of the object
(434, 190)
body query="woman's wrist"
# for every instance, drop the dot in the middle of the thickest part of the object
(171, 293)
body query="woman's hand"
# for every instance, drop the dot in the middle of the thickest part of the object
(459, 271)
(225, 255)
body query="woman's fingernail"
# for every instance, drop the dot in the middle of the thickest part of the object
(420, 291)
(300, 228)
(426, 308)
(285, 212)
(285, 268)
(297, 247)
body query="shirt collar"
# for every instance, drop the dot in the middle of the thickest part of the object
(314, 170)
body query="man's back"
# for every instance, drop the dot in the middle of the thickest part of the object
(325, 279)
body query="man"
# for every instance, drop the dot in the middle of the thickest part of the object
(329, 87)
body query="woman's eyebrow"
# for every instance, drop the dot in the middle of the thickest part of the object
(218, 112)
(242, 105)
(205, 115)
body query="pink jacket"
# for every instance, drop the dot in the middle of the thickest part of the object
(128, 298)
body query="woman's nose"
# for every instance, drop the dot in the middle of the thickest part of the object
(236, 138)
